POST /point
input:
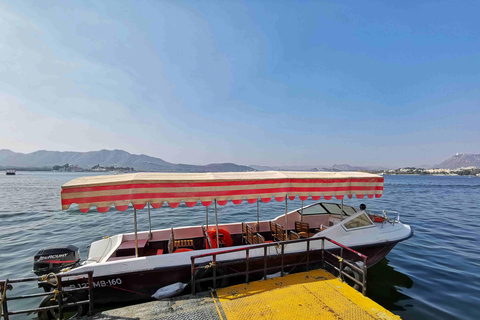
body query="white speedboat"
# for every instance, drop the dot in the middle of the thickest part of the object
(134, 266)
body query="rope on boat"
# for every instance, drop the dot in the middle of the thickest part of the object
(277, 246)
(46, 278)
(210, 265)
(4, 294)
(55, 291)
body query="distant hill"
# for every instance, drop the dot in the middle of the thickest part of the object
(289, 168)
(261, 168)
(45, 160)
(460, 160)
(335, 167)
(346, 167)
(104, 158)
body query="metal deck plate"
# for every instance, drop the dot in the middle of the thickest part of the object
(308, 295)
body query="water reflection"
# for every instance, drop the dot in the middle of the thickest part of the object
(384, 286)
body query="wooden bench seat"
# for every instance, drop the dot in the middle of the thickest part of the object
(303, 229)
(181, 245)
(249, 236)
(278, 233)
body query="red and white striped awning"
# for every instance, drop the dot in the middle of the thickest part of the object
(157, 188)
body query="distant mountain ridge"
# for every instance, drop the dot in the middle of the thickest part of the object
(335, 167)
(116, 158)
(460, 160)
(119, 158)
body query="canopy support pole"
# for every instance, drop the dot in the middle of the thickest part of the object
(207, 218)
(136, 236)
(149, 222)
(258, 216)
(301, 216)
(216, 223)
(286, 218)
(342, 210)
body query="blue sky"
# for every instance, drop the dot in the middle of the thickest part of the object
(251, 82)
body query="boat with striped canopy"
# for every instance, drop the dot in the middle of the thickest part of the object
(133, 266)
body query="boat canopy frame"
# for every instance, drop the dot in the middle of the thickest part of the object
(138, 189)
(154, 189)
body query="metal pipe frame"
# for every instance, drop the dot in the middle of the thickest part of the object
(239, 273)
(301, 216)
(342, 273)
(286, 218)
(216, 224)
(206, 218)
(60, 305)
(341, 217)
(149, 223)
(136, 235)
(265, 257)
(258, 215)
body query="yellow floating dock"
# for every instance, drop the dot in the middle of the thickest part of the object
(308, 295)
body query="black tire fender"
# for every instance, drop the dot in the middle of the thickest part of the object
(53, 313)
(355, 274)
(208, 273)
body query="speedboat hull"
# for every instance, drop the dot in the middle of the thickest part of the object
(119, 276)
(140, 285)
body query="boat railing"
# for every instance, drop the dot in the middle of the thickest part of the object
(59, 293)
(384, 213)
(332, 257)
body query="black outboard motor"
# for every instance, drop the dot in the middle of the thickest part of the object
(54, 259)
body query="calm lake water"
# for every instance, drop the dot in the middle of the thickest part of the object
(433, 275)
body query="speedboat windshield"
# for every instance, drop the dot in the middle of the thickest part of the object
(326, 208)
